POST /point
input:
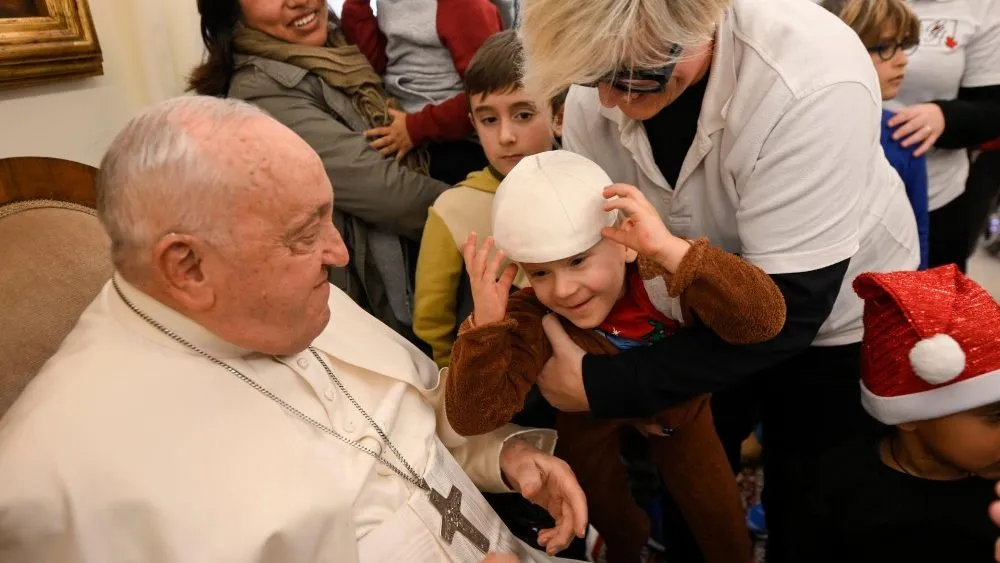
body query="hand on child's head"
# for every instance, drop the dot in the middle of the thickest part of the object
(643, 230)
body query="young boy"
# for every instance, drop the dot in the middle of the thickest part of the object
(549, 216)
(423, 49)
(511, 125)
(890, 31)
(930, 370)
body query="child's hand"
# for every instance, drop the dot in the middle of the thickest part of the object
(489, 295)
(392, 139)
(643, 230)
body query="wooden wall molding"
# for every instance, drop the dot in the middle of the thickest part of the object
(60, 44)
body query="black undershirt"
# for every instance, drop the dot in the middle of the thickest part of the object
(644, 381)
(672, 130)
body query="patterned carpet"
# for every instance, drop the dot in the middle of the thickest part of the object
(751, 481)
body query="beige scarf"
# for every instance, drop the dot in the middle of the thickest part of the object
(342, 66)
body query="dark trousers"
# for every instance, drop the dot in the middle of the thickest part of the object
(982, 189)
(948, 240)
(452, 161)
(807, 405)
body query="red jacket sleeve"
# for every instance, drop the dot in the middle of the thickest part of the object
(361, 28)
(463, 26)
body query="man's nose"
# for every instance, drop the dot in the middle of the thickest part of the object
(335, 253)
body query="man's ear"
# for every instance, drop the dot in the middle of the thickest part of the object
(178, 265)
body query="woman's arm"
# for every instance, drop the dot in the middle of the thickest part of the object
(377, 190)
(971, 119)
(644, 381)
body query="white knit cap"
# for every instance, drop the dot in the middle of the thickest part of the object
(551, 207)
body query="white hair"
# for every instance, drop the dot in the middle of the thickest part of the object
(580, 41)
(158, 176)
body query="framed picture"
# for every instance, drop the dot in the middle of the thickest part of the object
(47, 40)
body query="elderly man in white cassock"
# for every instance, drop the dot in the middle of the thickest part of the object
(219, 401)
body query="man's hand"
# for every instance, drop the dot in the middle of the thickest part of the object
(501, 558)
(548, 482)
(392, 139)
(561, 378)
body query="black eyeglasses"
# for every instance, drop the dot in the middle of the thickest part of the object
(888, 49)
(640, 81)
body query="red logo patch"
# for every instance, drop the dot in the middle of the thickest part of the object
(950, 42)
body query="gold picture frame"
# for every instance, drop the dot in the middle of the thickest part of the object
(47, 40)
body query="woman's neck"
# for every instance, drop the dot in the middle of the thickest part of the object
(906, 453)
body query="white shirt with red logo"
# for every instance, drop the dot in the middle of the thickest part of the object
(959, 48)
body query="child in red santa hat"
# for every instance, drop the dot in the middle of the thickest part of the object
(931, 371)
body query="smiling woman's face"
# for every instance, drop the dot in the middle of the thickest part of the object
(302, 22)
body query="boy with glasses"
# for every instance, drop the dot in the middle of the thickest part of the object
(891, 33)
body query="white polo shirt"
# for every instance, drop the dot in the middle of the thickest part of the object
(959, 47)
(786, 168)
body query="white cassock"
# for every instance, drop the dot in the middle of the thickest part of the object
(127, 447)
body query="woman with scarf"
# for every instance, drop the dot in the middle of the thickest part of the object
(290, 58)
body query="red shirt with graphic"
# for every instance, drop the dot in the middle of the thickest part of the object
(634, 321)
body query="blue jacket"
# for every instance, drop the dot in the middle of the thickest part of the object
(913, 171)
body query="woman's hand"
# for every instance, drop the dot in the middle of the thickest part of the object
(643, 230)
(392, 139)
(922, 123)
(561, 378)
(489, 295)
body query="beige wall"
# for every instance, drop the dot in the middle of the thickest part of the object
(148, 46)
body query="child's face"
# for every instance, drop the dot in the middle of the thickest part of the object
(511, 126)
(890, 72)
(968, 441)
(582, 288)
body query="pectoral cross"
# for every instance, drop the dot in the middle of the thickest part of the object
(453, 521)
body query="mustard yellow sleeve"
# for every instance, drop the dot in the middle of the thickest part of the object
(439, 271)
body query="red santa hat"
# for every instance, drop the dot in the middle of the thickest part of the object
(931, 346)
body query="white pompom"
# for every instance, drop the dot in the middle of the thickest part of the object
(937, 359)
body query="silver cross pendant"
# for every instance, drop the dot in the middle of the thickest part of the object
(453, 521)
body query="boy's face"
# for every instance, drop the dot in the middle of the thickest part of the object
(890, 72)
(968, 441)
(510, 126)
(582, 288)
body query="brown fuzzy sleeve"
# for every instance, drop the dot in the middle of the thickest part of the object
(493, 367)
(734, 298)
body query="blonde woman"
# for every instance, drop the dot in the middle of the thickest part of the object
(756, 124)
